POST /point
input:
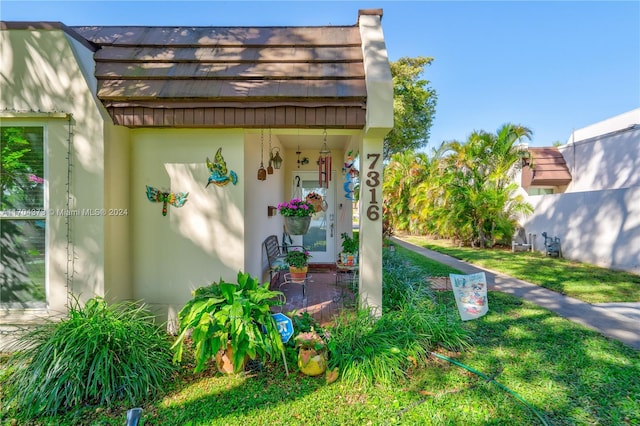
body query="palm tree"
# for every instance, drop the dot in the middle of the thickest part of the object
(401, 174)
(480, 206)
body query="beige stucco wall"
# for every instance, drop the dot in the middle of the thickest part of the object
(42, 81)
(379, 122)
(117, 224)
(258, 196)
(198, 243)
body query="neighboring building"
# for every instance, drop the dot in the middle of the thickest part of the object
(587, 192)
(544, 171)
(108, 111)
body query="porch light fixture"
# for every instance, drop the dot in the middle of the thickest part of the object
(275, 159)
(262, 172)
(324, 163)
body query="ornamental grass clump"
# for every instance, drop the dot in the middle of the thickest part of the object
(382, 350)
(296, 208)
(98, 355)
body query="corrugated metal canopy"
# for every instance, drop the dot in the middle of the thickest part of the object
(231, 76)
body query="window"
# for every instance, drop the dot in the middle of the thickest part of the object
(22, 217)
(540, 191)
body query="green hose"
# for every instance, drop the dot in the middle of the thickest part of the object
(491, 379)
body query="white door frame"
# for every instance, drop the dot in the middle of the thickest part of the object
(326, 221)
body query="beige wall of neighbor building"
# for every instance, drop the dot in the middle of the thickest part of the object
(597, 218)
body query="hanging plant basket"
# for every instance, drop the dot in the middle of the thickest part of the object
(297, 225)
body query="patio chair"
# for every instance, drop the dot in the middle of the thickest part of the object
(275, 256)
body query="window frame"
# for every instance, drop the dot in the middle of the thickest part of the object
(7, 215)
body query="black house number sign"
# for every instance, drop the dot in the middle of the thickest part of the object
(373, 182)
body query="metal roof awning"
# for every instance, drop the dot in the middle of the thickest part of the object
(545, 167)
(231, 76)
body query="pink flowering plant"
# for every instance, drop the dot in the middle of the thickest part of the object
(297, 258)
(296, 207)
(310, 340)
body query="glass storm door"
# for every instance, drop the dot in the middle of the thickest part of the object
(320, 239)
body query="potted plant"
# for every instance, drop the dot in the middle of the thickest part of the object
(298, 261)
(315, 200)
(231, 320)
(312, 353)
(297, 215)
(350, 247)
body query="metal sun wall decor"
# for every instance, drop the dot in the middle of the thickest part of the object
(176, 199)
(219, 174)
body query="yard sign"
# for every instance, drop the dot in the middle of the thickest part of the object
(285, 326)
(470, 292)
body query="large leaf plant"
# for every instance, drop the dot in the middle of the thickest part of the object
(235, 315)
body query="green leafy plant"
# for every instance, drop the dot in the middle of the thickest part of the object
(237, 315)
(98, 354)
(303, 322)
(349, 243)
(310, 340)
(297, 258)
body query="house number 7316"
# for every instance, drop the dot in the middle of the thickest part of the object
(372, 182)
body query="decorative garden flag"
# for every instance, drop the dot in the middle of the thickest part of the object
(470, 292)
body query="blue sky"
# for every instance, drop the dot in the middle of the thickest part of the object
(551, 66)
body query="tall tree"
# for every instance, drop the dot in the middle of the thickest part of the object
(414, 106)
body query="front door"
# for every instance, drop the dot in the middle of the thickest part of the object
(320, 239)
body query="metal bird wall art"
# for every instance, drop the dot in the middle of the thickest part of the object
(176, 199)
(219, 174)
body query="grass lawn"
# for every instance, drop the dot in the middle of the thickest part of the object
(567, 373)
(589, 283)
(571, 375)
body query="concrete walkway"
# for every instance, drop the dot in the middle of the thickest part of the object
(620, 321)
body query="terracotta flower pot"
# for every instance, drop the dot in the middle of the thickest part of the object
(224, 361)
(298, 274)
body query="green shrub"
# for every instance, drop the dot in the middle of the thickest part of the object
(98, 354)
(370, 350)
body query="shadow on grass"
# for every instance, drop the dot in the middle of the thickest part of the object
(589, 283)
(572, 374)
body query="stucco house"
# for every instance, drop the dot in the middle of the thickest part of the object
(587, 193)
(110, 111)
